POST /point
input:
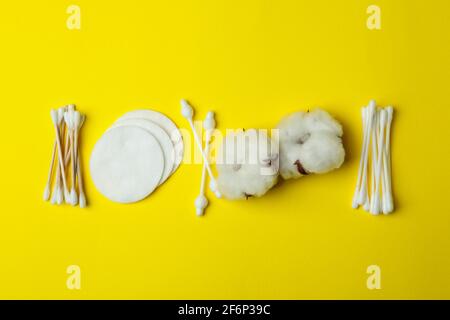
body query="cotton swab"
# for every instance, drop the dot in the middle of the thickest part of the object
(82, 201)
(388, 204)
(69, 118)
(355, 202)
(371, 117)
(82, 198)
(361, 161)
(375, 206)
(187, 111)
(201, 202)
(366, 202)
(52, 162)
(373, 162)
(75, 121)
(54, 116)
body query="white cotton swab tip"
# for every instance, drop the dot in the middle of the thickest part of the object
(59, 196)
(372, 105)
(82, 201)
(47, 193)
(68, 120)
(73, 197)
(186, 109)
(390, 113)
(367, 206)
(61, 112)
(209, 123)
(355, 204)
(54, 116)
(76, 119)
(53, 197)
(67, 197)
(200, 204)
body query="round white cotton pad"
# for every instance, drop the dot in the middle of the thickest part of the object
(126, 164)
(166, 124)
(162, 138)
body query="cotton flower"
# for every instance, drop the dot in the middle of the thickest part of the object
(310, 142)
(247, 164)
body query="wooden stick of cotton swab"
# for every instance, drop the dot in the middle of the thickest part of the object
(54, 116)
(187, 111)
(201, 202)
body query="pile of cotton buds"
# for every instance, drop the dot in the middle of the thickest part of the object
(303, 143)
(375, 195)
(65, 160)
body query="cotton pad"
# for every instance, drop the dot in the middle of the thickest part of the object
(162, 138)
(166, 124)
(127, 164)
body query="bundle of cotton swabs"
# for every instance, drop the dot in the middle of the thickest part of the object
(375, 195)
(65, 164)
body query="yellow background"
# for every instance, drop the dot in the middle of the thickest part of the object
(252, 62)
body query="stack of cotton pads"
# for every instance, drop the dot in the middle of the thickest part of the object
(138, 153)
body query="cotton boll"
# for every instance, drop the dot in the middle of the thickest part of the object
(319, 120)
(322, 153)
(310, 142)
(247, 163)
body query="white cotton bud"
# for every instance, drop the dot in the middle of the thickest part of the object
(247, 164)
(310, 142)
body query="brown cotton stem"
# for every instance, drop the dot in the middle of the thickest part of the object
(300, 168)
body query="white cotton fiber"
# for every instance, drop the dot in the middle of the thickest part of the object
(310, 142)
(247, 165)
